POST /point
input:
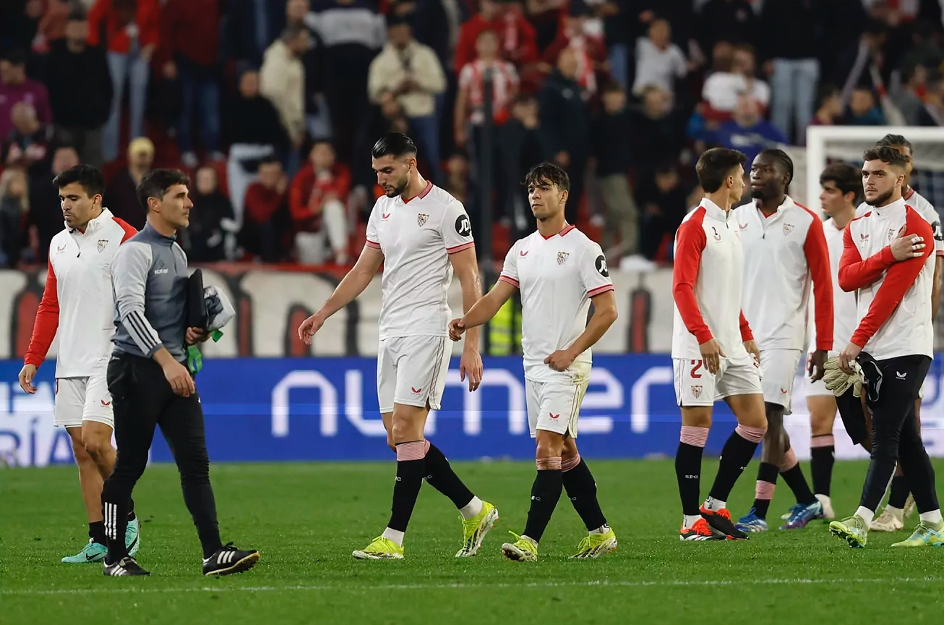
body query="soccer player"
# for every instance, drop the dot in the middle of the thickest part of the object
(559, 272)
(887, 260)
(714, 354)
(900, 505)
(422, 235)
(785, 250)
(78, 303)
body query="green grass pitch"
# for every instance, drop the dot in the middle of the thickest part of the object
(307, 518)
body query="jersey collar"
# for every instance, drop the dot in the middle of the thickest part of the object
(94, 224)
(567, 228)
(899, 204)
(421, 195)
(713, 210)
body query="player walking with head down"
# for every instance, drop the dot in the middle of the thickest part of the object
(714, 356)
(422, 234)
(559, 272)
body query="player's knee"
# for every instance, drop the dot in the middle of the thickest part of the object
(81, 455)
(569, 449)
(97, 447)
(549, 445)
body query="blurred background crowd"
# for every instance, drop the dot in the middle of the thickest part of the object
(273, 106)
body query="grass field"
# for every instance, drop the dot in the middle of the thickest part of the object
(307, 518)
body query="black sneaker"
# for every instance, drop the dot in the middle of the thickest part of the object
(125, 567)
(721, 521)
(228, 560)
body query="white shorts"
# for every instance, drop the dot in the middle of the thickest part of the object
(411, 370)
(554, 406)
(778, 371)
(695, 386)
(83, 399)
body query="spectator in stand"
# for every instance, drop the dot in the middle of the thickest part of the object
(829, 107)
(121, 196)
(251, 25)
(212, 229)
(44, 220)
(14, 206)
(190, 44)
(932, 104)
(412, 74)
(129, 30)
(656, 132)
(40, 23)
(789, 48)
(545, 17)
(317, 116)
(435, 23)
(457, 177)
(618, 17)
(863, 110)
(660, 62)
(16, 87)
(255, 132)
(316, 204)
(282, 80)
(265, 205)
(517, 43)
(733, 21)
(855, 64)
(720, 90)
(588, 51)
(611, 136)
(665, 203)
(74, 67)
(523, 145)
(748, 132)
(565, 121)
(908, 96)
(30, 144)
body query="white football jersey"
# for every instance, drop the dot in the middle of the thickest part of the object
(417, 238)
(925, 209)
(557, 278)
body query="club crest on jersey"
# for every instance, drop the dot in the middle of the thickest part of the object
(562, 256)
(787, 229)
(101, 244)
(696, 391)
(715, 233)
(422, 219)
(890, 234)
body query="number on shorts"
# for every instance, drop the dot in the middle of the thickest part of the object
(694, 374)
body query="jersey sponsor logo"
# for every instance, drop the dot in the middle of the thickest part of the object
(416, 391)
(900, 376)
(422, 219)
(462, 226)
(601, 266)
(554, 416)
(161, 271)
(787, 229)
(385, 216)
(696, 390)
(742, 226)
(60, 249)
(562, 256)
(784, 391)
(523, 253)
(102, 243)
(715, 233)
(106, 403)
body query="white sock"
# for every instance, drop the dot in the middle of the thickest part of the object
(690, 519)
(394, 535)
(714, 504)
(471, 509)
(603, 529)
(932, 518)
(823, 499)
(866, 514)
(895, 512)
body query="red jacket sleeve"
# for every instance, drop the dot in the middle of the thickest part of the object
(818, 262)
(690, 241)
(128, 228)
(856, 273)
(97, 14)
(745, 328)
(167, 23)
(46, 323)
(298, 198)
(466, 46)
(149, 22)
(899, 279)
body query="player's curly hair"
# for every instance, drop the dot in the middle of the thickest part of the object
(887, 155)
(547, 172)
(891, 141)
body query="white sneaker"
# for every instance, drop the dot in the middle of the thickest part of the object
(888, 521)
(828, 509)
(910, 507)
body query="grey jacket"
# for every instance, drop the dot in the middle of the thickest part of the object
(149, 278)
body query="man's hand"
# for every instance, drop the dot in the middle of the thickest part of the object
(470, 364)
(711, 356)
(179, 379)
(457, 328)
(309, 327)
(847, 356)
(27, 373)
(906, 246)
(560, 360)
(196, 335)
(753, 350)
(815, 366)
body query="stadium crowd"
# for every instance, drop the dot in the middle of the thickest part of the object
(273, 105)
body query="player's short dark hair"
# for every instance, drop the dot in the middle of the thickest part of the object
(845, 176)
(886, 154)
(88, 177)
(548, 172)
(891, 141)
(782, 159)
(394, 144)
(156, 183)
(715, 165)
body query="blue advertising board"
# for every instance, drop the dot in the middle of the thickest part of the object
(326, 409)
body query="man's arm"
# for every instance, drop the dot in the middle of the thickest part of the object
(937, 287)
(488, 305)
(690, 241)
(818, 262)
(129, 279)
(467, 270)
(46, 322)
(355, 281)
(605, 313)
(856, 273)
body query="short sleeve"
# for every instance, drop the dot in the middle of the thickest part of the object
(456, 229)
(372, 239)
(510, 267)
(594, 273)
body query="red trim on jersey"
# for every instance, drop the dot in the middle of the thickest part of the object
(460, 248)
(690, 241)
(128, 228)
(908, 193)
(46, 322)
(818, 263)
(372, 244)
(512, 281)
(567, 228)
(422, 194)
(856, 273)
(899, 278)
(768, 215)
(600, 289)
(745, 328)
